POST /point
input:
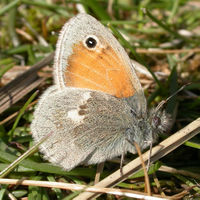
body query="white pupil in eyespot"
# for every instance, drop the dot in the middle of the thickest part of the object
(91, 42)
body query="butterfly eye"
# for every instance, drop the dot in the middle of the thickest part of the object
(91, 42)
(156, 121)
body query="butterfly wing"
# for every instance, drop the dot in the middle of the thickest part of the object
(48, 119)
(105, 68)
(85, 126)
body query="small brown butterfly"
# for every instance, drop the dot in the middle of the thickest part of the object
(96, 108)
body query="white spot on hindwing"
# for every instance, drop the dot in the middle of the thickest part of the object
(74, 113)
(86, 96)
(74, 116)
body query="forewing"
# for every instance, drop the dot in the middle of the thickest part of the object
(107, 68)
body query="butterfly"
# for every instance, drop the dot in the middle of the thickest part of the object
(96, 109)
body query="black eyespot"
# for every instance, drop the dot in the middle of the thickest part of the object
(91, 42)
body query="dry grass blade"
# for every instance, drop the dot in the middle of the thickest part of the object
(167, 51)
(146, 177)
(156, 181)
(22, 85)
(77, 187)
(9, 118)
(158, 152)
(176, 171)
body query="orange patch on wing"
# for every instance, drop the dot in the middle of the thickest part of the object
(98, 70)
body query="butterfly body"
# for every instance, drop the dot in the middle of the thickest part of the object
(96, 109)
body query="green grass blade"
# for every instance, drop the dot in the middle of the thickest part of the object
(6, 171)
(2, 191)
(97, 9)
(188, 182)
(165, 26)
(5, 69)
(174, 10)
(11, 5)
(58, 191)
(194, 143)
(46, 167)
(10, 133)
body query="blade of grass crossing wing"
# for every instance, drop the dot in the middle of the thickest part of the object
(6, 171)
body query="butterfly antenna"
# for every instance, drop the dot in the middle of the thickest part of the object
(160, 105)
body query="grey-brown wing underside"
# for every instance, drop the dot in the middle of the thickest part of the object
(86, 126)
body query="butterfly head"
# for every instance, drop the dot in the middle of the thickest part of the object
(145, 129)
(160, 122)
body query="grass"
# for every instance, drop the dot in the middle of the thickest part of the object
(28, 33)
